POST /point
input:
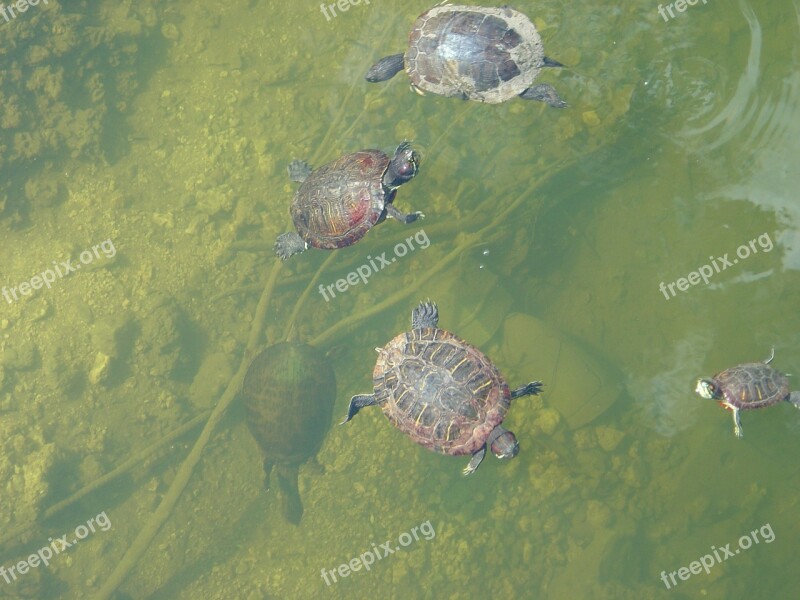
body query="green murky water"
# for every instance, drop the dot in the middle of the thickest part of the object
(147, 143)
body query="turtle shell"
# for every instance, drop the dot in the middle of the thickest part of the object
(442, 392)
(339, 202)
(288, 392)
(752, 385)
(484, 54)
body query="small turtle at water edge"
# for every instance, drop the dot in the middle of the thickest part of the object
(748, 386)
(476, 53)
(289, 391)
(339, 202)
(442, 392)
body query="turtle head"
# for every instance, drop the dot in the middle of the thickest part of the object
(403, 166)
(709, 389)
(505, 445)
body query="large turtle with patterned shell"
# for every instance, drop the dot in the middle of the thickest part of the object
(746, 387)
(338, 203)
(473, 52)
(442, 392)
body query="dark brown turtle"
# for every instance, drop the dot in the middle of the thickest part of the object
(473, 52)
(442, 392)
(748, 386)
(339, 202)
(288, 393)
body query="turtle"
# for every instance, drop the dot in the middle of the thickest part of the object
(442, 392)
(473, 52)
(339, 202)
(747, 386)
(289, 391)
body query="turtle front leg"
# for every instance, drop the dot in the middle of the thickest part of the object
(299, 170)
(531, 389)
(288, 244)
(475, 461)
(358, 402)
(737, 423)
(392, 211)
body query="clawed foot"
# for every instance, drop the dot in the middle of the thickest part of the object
(531, 389)
(298, 170)
(288, 244)
(544, 92)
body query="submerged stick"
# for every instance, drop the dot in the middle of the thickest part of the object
(162, 513)
(129, 464)
(465, 241)
(304, 296)
(184, 473)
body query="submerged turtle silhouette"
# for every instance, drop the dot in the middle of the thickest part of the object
(288, 393)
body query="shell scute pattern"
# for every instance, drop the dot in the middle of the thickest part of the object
(486, 54)
(753, 385)
(288, 393)
(440, 390)
(339, 202)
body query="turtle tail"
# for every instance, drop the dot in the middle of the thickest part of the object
(291, 505)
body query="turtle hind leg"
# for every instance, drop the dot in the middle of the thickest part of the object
(291, 505)
(289, 244)
(299, 170)
(737, 423)
(385, 68)
(794, 398)
(425, 315)
(475, 461)
(544, 92)
(550, 62)
(358, 402)
(531, 389)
